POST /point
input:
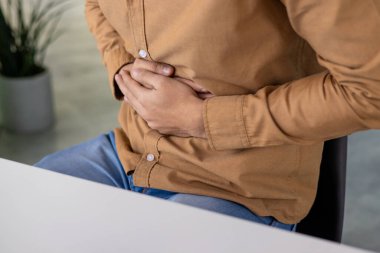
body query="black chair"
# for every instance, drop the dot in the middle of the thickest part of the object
(325, 219)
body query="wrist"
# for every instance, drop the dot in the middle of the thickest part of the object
(199, 127)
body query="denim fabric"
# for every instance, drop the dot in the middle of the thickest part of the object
(97, 160)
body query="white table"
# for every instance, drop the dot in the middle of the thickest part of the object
(42, 211)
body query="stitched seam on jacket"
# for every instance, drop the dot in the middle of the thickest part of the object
(143, 29)
(158, 158)
(130, 10)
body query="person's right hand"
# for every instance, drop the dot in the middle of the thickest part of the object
(165, 70)
(156, 67)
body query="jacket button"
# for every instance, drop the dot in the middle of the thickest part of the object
(143, 53)
(150, 157)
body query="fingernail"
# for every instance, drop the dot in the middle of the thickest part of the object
(167, 70)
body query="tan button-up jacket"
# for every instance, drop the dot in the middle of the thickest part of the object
(287, 76)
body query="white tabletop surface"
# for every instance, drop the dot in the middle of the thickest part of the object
(42, 211)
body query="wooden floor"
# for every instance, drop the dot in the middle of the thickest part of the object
(85, 108)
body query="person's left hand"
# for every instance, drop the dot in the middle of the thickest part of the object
(170, 106)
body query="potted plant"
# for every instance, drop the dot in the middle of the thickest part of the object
(27, 29)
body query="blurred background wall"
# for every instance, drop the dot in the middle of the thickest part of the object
(85, 108)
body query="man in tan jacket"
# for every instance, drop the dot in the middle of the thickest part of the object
(226, 104)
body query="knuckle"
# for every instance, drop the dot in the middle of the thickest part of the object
(127, 67)
(124, 74)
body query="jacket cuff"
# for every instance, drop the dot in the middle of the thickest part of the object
(114, 60)
(224, 122)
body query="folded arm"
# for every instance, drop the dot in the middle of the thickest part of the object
(346, 98)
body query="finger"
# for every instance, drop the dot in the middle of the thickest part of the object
(132, 102)
(205, 95)
(132, 86)
(123, 87)
(147, 78)
(120, 83)
(156, 67)
(128, 67)
(192, 84)
(124, 72)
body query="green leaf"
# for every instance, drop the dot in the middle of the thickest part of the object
(7, 42)
(27, 29)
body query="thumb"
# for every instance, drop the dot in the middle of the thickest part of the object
(155, 67)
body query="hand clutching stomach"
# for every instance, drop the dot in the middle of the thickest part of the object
(171, 105)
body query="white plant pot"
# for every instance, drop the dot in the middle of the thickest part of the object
(26, 103)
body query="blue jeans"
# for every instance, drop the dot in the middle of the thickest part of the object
(97, 160)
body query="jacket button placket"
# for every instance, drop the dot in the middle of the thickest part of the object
(149, 159)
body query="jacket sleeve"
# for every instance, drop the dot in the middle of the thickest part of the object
(109, 43)
(346, 37)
